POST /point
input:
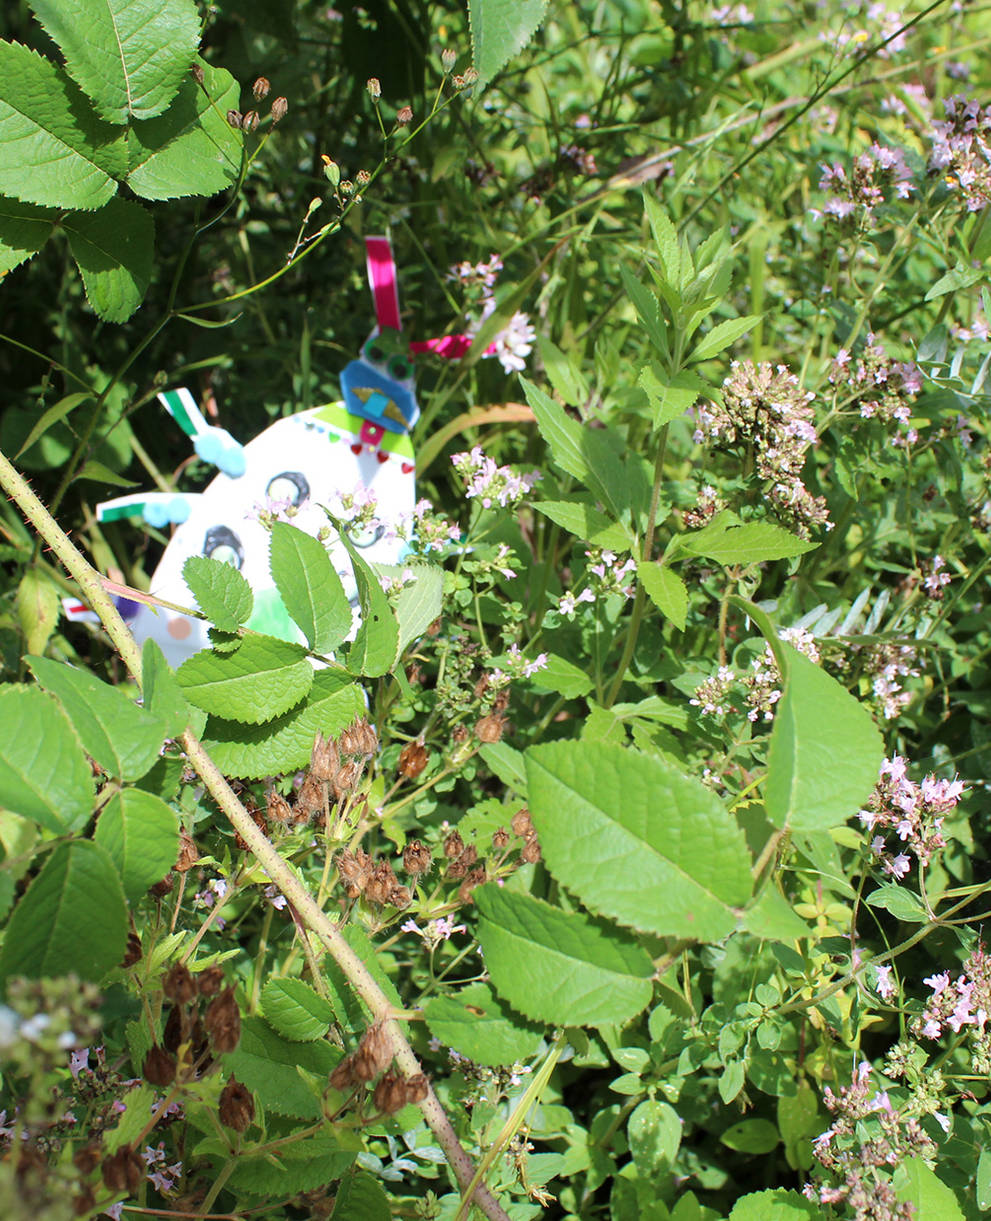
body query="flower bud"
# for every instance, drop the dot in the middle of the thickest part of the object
(223, 1021)
(159, 1067)
(237, 1107)
(331, 170)
(259, 90)
(250, 120)
(448, 58)
(374, 87)
(279, 108)
(404, 116)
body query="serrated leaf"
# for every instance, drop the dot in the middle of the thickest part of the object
(53, 149)
(480, 1025)
(727, 540)
(666, 590)
(587, 523)
(114, 249)
(564, 372)
(191, 149)
(24, 229)
(501, 29)
(297, 1166)
(163, 695)
(562, 434)
(606, 814)
(285, 743)
(141, 835)
(772, 918)
(221, 592)
(258, 683)
(670, 396)
(361, 1198)
(721, 336)
(648, 309)
(776, 1205)
(561, 676)
(295, 1010)
(376, 643)
(418, 604)
(124, 739)
(128, 55)
(72, 918)
(310, 587)
(916, 1184)
(560, 968)
(44, 774)
(665, 238)
(266, 1063)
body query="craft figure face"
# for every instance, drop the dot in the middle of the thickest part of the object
(308, 461)
(379, 384)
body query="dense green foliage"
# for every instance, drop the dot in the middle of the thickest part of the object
(643, 809)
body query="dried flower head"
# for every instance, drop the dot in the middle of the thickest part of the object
(179, 985)
(159, 1067)
(260, 88)
(413, 760)
(223, 1021)
(416, 858)
(279, 108)
(236, 1107)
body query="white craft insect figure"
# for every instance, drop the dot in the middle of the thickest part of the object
(359, 447)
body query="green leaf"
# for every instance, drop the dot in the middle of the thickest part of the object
(956, 278)
(983, 1184)
(562, 434)
(501, 29)
(266, 1063)
(38, 608)
(607, 814)
(721, 336)
(376, 644)
(295, 1010)
(24, 229)
(900, 901)
(310, 587)
(560, 968)
(284, 744)
(916, 1184)
(53, 149)
(507, 763)
(670, 397)
(141, 835)
(221, 593)
(128, 55)
(561, 676)
(191, 149)
(481, 1026)
(817, 780)
(50, 417)
(361, 1198)
(124, 739)
(654, 1133)
(666, 590)
(579, 518)
(751, 1136)
(163, 695)
(72, 918)
(261, 681)
(418, 604)
(297, 1166)
(777, 1205)
(648, 309)
(772, 918)
(665, 238)
(43, 771)
(564, 372)
(731, 1080)
(113, 249)
(727, 540)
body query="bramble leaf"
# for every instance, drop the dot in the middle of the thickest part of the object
(481, 1026)
(44, 774)
(295, 1010)
(24, 229)
(221, 593)
(309, 586)
(259, 682)
(501, 29)
(141, 834)
(114, 249)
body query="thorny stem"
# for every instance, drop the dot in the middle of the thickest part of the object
(280, 872)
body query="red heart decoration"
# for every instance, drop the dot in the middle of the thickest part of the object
(382, 456)
(408, 468)
(356, 448)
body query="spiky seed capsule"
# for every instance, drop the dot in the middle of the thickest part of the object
(324, 758)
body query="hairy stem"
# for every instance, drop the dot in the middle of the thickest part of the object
(278, 870)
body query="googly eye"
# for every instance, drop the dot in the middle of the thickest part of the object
(288, 485)
(366, 536)
(400, 368)
(374, 352)
(221, 543)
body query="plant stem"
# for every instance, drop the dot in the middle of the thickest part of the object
(280, 872)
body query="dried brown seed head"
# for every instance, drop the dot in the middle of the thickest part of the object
(279, 810)
(374, 1053)
(237, 1107)
(342, 1077)
(87, 1158)
(188, 852)
(324, 759)
(400, 897)
(404, 116)
(123, 1171)
(390, 1094)
(346, 780)
(179, 985)
(250, 120)
(198, 74)
(133, 952)
(381, 883)
(500, 839)
(260, 88)
(453, 845)
(175, 1029)
(309, 799)
(355, 869)
(210, 981)
(279, 109)
(475, 878)
(530, 853)
(162, 888)
(359, 739)
(417, 1088)
(159, 1067)
(413, 759)
(223, 1021)
(416, 858)
(521, 823)
(235, 118)
(490, 728)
